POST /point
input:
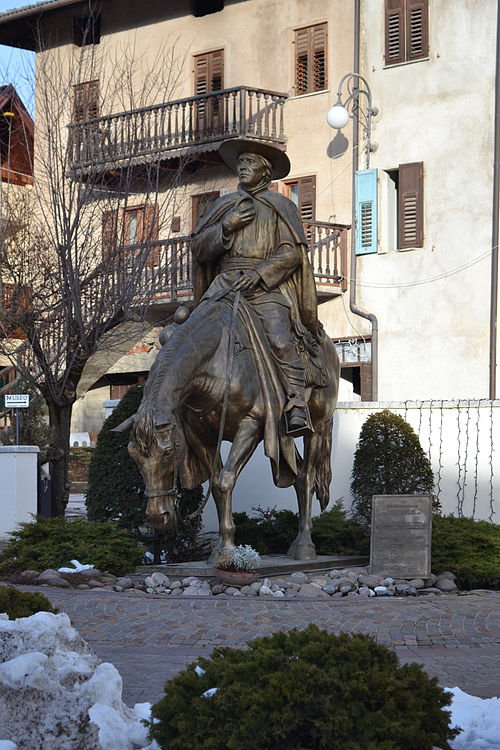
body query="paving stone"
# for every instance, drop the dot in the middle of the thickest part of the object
(455, 638)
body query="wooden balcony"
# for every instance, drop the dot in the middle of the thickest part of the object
(169, 268)
(188, 129)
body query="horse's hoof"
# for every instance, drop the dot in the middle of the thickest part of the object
(302, 551)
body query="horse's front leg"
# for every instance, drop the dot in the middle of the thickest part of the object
(245, 441)
(302, 547)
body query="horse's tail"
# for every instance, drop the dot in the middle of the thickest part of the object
(324, 465)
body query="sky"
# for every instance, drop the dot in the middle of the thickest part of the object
(16, 65)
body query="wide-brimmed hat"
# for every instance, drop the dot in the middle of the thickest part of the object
(230, 150)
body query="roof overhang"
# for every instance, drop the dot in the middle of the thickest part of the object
(19, 26)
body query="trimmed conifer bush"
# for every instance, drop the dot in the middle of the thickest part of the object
(303, 689)
(17, 603)
(116, 488)
(54, 542)
(389, 460)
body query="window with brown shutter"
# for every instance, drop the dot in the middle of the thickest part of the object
(411, 205)
(302, 192)
(208, 77)
(16, 301)
(109, 232)
(85, 101)
(406, 30)
(311, 59)
(201, 203)
(140, 226)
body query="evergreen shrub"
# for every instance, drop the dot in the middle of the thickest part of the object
(115, 485)
(17, 603)
(334, 532)
(54, 542)
(303, 689)
(116, 490)
(470, 549)
(271, 531)
(389, 460)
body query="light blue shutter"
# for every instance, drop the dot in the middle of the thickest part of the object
(366, 212)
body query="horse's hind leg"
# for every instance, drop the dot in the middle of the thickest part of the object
(302, 547)
(245, 441)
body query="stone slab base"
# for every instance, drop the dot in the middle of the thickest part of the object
(272, 565)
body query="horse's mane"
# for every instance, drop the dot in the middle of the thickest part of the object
(143, 430)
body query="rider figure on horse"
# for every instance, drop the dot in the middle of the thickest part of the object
(253, 242)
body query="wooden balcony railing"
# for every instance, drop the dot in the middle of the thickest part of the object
(168, 269)
(159, 131)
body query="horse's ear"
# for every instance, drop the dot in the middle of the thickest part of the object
(126, 425)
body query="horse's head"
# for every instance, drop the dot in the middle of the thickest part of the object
(158, 446)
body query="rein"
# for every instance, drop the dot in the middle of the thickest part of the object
(229, 374)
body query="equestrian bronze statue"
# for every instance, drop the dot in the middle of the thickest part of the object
(251, 363)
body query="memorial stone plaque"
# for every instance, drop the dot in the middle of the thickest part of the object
(401, 536)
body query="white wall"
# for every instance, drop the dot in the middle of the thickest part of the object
(458, 436)
(18, 488)
(432, 303)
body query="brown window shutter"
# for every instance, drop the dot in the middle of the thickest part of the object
(411, 205)
(394, 32)
(150, 232)
(310, 59)
(319, 47)
(209, 72)
(417, 29)
(307, 198)
(201, 203)
(302, 57)
(109, 232)
(86, 101)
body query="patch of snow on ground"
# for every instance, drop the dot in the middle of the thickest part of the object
(55, 693)
(479, 719)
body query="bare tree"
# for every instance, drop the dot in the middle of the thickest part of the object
(76, 261)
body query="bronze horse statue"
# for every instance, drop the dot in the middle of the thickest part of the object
(206, 385)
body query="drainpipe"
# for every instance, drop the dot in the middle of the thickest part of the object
(355, 161)
(494, 230)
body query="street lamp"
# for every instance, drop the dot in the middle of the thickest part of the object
(337, 117)
(342, 111)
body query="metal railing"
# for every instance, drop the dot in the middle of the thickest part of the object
(156, 130)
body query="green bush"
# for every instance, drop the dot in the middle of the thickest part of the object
(335, 533)
(271, 531)
(116, 490)
(303, 689)
(115, 485)
(389, 460)
(54, 542)
(17, 603)
(469, 549)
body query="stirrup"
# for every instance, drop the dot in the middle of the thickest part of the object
(298, 424)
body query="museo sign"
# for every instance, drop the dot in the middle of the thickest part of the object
(17, 400)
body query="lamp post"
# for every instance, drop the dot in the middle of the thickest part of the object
(337, 117)
(342, 111)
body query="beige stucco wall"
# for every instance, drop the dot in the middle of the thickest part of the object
(432, 303)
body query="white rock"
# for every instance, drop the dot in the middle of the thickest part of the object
(265, 591)
(159, 579)
(278, 594)
(381, 591)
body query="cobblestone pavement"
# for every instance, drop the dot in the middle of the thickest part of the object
(149, 639)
